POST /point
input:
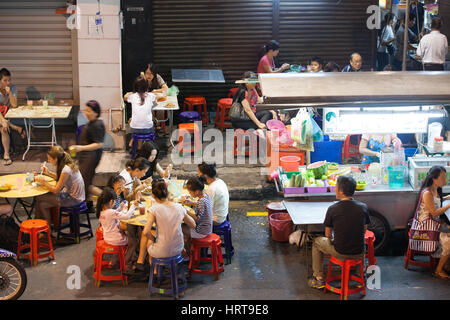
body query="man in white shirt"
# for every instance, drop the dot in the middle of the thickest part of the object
(433, 48)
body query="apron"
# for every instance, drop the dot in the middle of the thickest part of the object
(376, 146)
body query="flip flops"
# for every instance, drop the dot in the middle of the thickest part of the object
(7, 161)
(442, 276)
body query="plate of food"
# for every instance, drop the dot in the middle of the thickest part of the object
(5, 187)
(361, 185)
(169, 105)
(161, 99)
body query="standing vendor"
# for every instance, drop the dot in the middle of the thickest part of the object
(372, 144)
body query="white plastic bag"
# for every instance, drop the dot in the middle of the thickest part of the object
(294, 237)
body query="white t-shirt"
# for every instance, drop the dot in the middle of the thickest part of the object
(141, 114)
(218, 191)
(128, 180)
(433, 48)
(388, 35)
(74, 185)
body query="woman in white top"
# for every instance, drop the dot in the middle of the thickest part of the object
(69, 190)
(134, 170)
(217, 190)
(385, 52)
(168, 217)
(431, 207)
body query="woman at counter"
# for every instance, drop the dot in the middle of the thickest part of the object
(431, 207)
(372, 144)
(266, 62)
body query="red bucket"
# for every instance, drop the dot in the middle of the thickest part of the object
(275, 207)
(290, 163)
(281, 226)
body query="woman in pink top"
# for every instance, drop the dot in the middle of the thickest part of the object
(266, 63)
(113, 230)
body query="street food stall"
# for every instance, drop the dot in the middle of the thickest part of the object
(359, 103)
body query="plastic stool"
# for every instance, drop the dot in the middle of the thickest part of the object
(240, 149)
(103, 248)
(140, 137)
(232, 92)
(189, 116)
(74, 223)
(409, 259)
(345, 277)
(197, 101)
(346, 154)
(369, 238)
(213, 242)
(172, 263)
(224, 230)
(193, 146)
(222, 113)
(34, 228)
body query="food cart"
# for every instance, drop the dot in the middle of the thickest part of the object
(366, 102)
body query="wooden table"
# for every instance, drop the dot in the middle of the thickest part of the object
(39, 112)
(161, 106)
(22, 189)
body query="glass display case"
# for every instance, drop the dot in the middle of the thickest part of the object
(419, 166)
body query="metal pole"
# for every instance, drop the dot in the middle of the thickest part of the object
(406, 34)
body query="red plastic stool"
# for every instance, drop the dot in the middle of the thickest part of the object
(99, 234)
(104, 248)
(369, 238)
(162, 122)
(200, 103)
(240, 148)
(409, 259)
(346, 154)
(194, 146)
(232, 92)
(34, 228)
(213, 242)
(222, 113)
(345, 277)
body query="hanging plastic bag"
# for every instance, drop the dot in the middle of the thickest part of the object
(173, 91)
(317, 132)
(302, 131)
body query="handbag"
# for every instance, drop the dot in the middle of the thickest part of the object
(3, 109)
(424, 235)
(237, 112)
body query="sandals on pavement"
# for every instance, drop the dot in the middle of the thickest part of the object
(316, 283)
(441, 275)
(7, 161)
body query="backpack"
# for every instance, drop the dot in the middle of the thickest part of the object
(9, 233)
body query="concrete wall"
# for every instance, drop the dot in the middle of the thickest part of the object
(99, 63)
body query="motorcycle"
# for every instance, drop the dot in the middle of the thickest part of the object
(13, 278)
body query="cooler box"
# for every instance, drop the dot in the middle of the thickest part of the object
(331, 151)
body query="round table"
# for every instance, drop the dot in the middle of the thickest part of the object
(22, 189)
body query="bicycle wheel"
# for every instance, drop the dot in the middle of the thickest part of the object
(13, 279)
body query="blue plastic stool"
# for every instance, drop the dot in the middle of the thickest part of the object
(74, 222)
(189, 116)
(172, 263)
(142, 137)
(224, 230)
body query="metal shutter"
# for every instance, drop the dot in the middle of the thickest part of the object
(329, 29)
(36, 46)
(208, 34)
(444, 13)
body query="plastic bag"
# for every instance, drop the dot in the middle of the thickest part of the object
(317, 132)
(294, 237)
(302, 130)
(173, 91)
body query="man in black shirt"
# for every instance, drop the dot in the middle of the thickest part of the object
(348, 219)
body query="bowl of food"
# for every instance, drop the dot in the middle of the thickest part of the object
(361, 185)
(5, 187)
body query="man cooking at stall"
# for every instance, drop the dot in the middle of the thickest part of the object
(372, 144)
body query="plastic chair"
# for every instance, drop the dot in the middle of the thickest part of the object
(74, 222)
(212, 241)
(411, 254)
(198, 102)
(140, 137)
(104, 248)
(245, 148)
(195, 145)
(345, 277)
(34, 227)
(189, 117)
(172, 263)
(224, 230)
(346, 154)
(232, 92)
(222, 113)
(369, 238)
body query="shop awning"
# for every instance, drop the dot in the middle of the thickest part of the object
(354, 89)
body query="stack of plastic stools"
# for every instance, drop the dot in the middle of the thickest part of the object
(245, 143)
(34, 228)
(211, 241)
(74, 223)
(369, 239)
(103, 248)
(99, 237)
(198, 102)
(232, 92)
(345, 277)
(140, 137)
(222, 113)
(224, 230)
(193, 130)
(172, 263)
